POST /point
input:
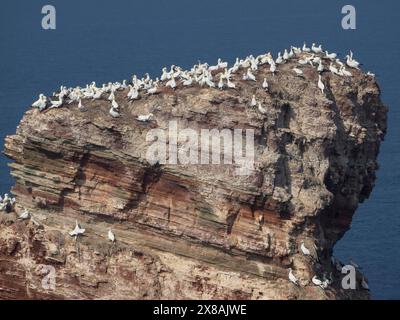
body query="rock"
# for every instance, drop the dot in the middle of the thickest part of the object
(193, 231)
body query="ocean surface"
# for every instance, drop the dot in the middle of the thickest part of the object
(110, 40)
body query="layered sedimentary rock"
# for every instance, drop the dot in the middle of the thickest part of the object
(193, 231)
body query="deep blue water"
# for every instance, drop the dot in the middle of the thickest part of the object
(109, 40)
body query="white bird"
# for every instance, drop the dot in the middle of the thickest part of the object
(114, 112)
(364, 284)
(171, 83)
(145, 118)
(77, 231)
(331, 56)
(369, 73)
(261, 109)
(114, 104)
(133, 93)
(333, 69)
(249, 76)
(111, 235)
(230, 84)
(57, 103)
(273, 68)
(152, 90)
(345, 72)
(316, 281)
(253, 101)
(298, 71)
(320, 67)
(111, 97)
(280, 59)
(265, 84)
(352, 63)
(305, 251)
(316, 49)
(292, 277)
(188, 82)
(321, 84)
(80, 106)
(25, 215)
(221, 83)
(305, 49)
(40, 103)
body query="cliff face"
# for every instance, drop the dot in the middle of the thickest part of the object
(192, 231)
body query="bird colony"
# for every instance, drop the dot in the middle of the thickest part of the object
(218, 77)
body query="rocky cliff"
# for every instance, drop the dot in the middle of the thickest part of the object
(193, 231)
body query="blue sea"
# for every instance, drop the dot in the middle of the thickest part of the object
(110, 40)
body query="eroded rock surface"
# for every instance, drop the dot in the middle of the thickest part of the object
(192, 231)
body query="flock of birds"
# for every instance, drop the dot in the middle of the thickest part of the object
(326, 281)
(205, 76)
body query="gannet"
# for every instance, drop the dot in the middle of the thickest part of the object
(152, 90)
(305, 251)
(249, 76)
(305, 49)
(285, 55)
(261, 109)
(77, 231)
(253, 101)
(316, 49)
(171, 83)
(56, 104)
(40, 103)
(265, 84)
(352, 63)
(97, 94)
(114, 104)
(80, 106)
(320, 67)
(364, 284)
(292, 278)
(279, 60)
(230, 84)
(188, 81)
(111, 97)
(333, 69)
(321, 84)
(303, 61)
(164, 75)
(298, 71)
(133, 93)
(273, 68)
(331, 56)
(345, 72)
(25, 215)
(114, 112)
(220, 83)
(371, 74)
(145, 118)
(316, 281)
(111, 235)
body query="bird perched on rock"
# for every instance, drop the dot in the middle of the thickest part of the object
(304, 250)
(40, 103)
(77, 230)
(25, 215)
(321, 85)
(145, 118)
(292, 277)
(111, 235)
(253, 101)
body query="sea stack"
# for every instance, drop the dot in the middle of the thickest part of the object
(193, 231)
